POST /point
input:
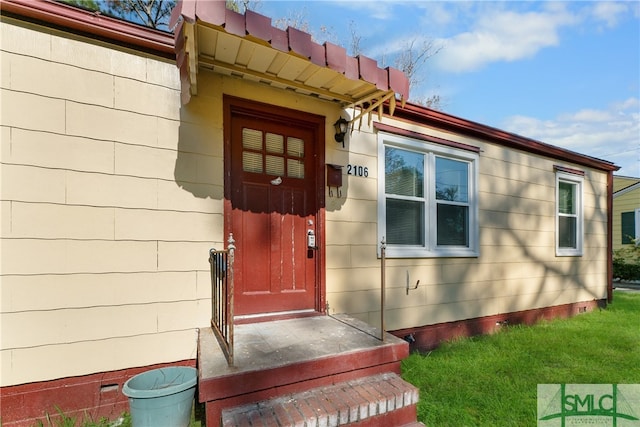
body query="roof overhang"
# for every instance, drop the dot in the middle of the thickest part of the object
(626, 190)
(92, 24)
(210, 36)
(438, 119)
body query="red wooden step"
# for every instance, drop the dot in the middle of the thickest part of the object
(383, 399)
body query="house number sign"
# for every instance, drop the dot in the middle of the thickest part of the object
(357, 170)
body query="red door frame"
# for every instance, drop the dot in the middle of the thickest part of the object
(233, 105)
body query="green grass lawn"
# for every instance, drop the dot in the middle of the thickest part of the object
(62, 420)
(492, 380)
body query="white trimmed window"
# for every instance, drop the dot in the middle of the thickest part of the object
(569, 217)
(427, 199)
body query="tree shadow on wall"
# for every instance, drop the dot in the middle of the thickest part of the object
(519, 224)
(199, 166)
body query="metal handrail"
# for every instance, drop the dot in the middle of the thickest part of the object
(383, 250)
(221, 263)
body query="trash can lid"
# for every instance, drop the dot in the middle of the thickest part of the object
(160, 382)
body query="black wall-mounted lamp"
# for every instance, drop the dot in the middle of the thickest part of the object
(341, 129)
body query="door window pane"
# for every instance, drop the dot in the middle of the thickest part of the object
(295, 168)
(252, 162)
(275, 161)
(405, 222)
(275, 165)
(252, 139)
(295, 147)
(275, 143)
(452, 180)
(404, 172)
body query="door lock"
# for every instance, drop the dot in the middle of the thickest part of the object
(311, 239)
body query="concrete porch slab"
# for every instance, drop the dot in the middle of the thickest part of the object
(272, 357)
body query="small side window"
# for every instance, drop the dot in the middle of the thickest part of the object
(569, 216)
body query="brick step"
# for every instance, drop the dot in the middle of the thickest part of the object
(383, 399)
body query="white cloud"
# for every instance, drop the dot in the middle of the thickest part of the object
(587, 115)
(382, 10)
(611, 134)
(503, 36)
(438, 13)
(628, 104)
(609, 12)
(435, 15)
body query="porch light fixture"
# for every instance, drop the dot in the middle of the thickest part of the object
(341, 129)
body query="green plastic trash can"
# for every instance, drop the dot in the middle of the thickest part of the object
(162, 397)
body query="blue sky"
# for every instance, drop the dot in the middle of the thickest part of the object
(565, 73)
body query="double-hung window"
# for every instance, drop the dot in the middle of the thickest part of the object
(569, 219)
(427, 202)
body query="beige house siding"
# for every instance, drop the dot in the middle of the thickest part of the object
(626, 201)
(111, 199)
(103, 255)
(112, 194)
(517, 268)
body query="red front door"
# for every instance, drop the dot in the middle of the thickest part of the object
(274, 206)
